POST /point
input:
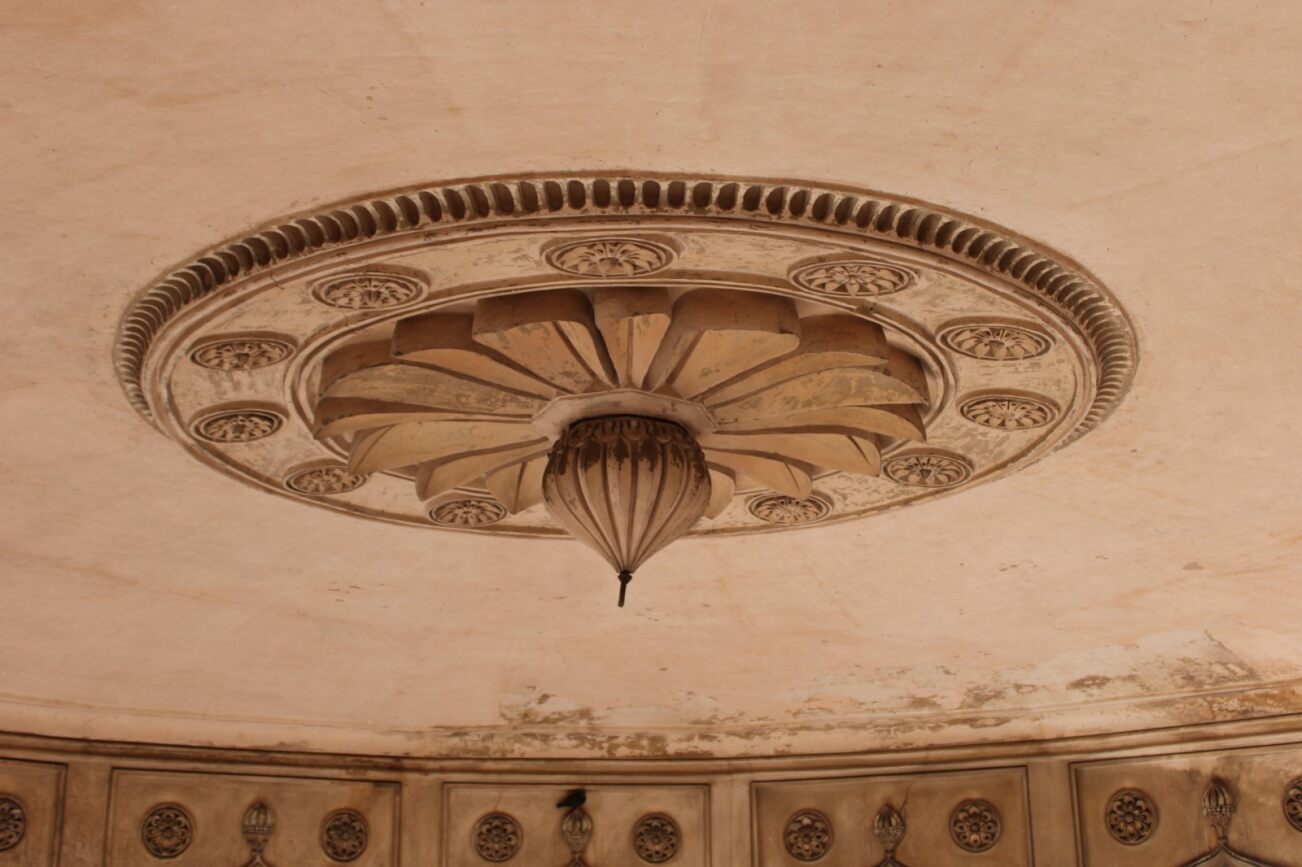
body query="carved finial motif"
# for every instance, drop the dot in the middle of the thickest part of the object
(576, 830)
(258, 826)
(1219, 806)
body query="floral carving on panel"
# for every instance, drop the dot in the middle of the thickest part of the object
(1131, 817)
(13, 822)
(497, 837)
(975, 826)
(344, 835)
(808, 835)
(167, 831)
(655, 839)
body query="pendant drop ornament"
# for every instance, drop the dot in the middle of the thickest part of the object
(626, 486)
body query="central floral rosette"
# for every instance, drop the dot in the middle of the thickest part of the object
(627, 412)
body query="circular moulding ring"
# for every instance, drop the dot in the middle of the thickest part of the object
(994, 339)
(234, 424)
(1009, 410)
(234, 353)
(379, 287)
(323, 478)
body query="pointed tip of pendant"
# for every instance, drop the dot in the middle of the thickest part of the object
(625, 576)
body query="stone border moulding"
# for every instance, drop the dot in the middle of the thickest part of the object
(1046, 277)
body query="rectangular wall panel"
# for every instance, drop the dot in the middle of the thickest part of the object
(37, 787)
(615, 813)
(926, 801)
(216, 804)
(1174, 785)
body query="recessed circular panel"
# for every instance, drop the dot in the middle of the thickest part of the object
(1018, 351)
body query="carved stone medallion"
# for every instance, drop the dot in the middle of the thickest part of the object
(344, 835)
(320, 481)
(807, 335)
(808, 835)
(13, 822)
(497, 837)
(237, 425)
(1131, 817)
(782, 509)
(1293, 803)
(928, 470)
(469, 512)
(241, 353)
(379, 290)
(975, 826)
(1010, 412)
(610, 257)
(167, 831)
(853, 277)
(655, 838)
(994, 341)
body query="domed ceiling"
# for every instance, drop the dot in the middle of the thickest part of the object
(1089, 413)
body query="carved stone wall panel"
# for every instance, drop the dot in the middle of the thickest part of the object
(926, 802)
(1258, 778)
(30, 833)
(615, 811)
(217, 804)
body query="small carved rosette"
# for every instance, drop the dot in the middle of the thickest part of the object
(994, 341)
(167, 831)
(655, 839)
(1293, 804)
(468, 513)
(853, 278)
(13, 822)
(789, 511)
(808, 835)
(369, 291)
(227, 427)
(610, 257)
(497, 837)
(241, 353)
(975, 826)
(1131, 817)
(344, 835)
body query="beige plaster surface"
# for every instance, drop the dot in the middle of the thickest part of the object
(1146, 576)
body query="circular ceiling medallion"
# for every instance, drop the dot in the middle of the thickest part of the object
(880, 350)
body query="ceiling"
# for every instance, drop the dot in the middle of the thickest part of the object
(1143, 577)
